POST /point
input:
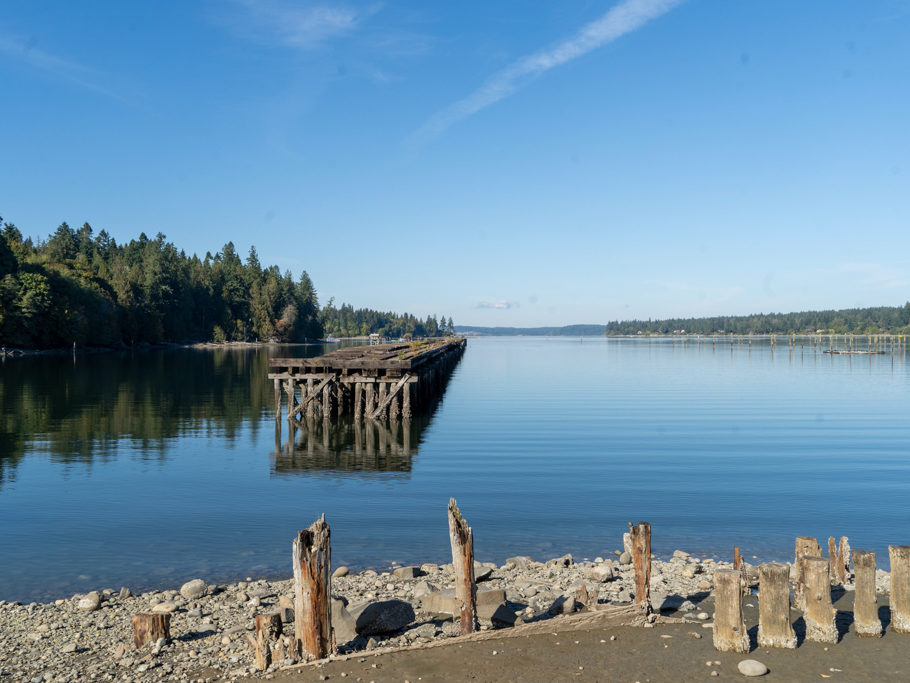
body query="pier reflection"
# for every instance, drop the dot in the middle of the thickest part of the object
(346, 445)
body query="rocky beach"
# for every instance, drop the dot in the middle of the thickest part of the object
(88, 637)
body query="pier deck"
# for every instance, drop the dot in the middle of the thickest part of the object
(384, 381)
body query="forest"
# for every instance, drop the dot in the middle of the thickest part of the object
(876, 320)
(78, 287)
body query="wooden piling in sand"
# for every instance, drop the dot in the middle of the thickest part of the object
(818, 610)
(640, 536)
(865, 607)
(774, 627)
(267, 635)
(461, 538)
(312, 591)
(729, 626)
(900, 587)
(806, 546)
(150, 628)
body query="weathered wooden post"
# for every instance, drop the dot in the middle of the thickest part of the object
(406, 401)
(818, 610)
(900, 587)
(358, 400)
(327, 401)
(383, 392)
(310, 410)
(277, 384)
(832, 561)
(289, 389)
(806, 546)
(774, 627)
(729, 626)
(738, 564)
(312, 591)
(150, 628)
(843, 560)
(268, 631)
(640, 536)
(865, 607)
(461, 538)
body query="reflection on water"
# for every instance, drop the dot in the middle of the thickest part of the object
(348, 446)
(140, 469)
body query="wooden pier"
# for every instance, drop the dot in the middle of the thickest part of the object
(377, 382)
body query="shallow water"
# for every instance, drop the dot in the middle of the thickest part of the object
(145, 469)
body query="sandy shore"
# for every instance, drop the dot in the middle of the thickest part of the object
(665, 653)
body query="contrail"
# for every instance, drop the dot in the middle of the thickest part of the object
(624, 18)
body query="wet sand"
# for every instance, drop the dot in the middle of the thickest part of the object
(666, 652)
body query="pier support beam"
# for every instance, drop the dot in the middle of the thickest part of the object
(818, 610)
(774, 627)
(640, 535)
(461, 538)
(806, 546)
(900, 587)
(729, 626)
(312, 591)
(865, 607)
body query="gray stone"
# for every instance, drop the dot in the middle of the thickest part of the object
(125, 593)
(377, 618)
(194, 613)
(564, 604)
(601, 573)
(339, 572)
(168, 607)
(194, 589)
(408, 572)
(90, 601)
(564, 561)
(625, 558)
(439, 602)
(482, 572)
(422, 588)
(518, 562)
(752, 667)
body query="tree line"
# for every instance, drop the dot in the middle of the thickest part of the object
(346, 321)
(85, 288)
(876, 320)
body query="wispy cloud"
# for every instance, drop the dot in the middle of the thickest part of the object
(624, 18)
(296, 25)
(501, 305)
(67, 69)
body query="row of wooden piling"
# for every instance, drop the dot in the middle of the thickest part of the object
(313, 637)
(812, 597)
(844, 343)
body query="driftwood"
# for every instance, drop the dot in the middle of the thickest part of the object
(900, 588)
(818, 610)
(150, 628)
(729, 626)
(461, 538)
(774, 627)
(312, 591)
(640, 537)
(865, 607)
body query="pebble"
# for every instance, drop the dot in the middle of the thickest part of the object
(39, 641)
(752, 667)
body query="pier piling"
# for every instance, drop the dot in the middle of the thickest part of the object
(774, 627)
(312, 591)
(729, 625)
(900, 588)
(461, 538)
(818, 610)
(865, 607)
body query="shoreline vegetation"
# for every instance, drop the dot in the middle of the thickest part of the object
(855, 321)
(77, 288)
(88, 636)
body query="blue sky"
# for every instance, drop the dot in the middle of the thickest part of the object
(503, 163)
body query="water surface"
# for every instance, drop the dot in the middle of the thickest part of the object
(146, 469)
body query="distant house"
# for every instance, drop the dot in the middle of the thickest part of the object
(374, 338)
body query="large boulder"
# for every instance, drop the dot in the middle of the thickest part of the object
(369, 618)
(90, 601)
(194, 589)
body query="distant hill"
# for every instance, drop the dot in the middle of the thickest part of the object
(565, 331)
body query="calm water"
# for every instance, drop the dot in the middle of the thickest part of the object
(146, 469)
